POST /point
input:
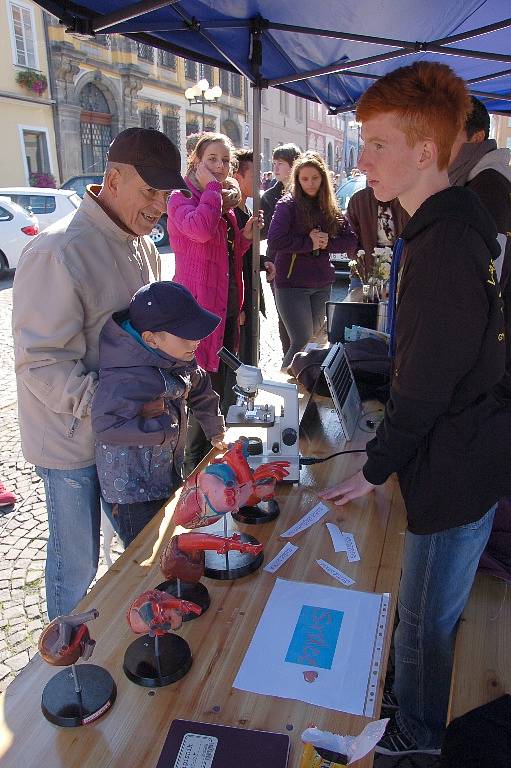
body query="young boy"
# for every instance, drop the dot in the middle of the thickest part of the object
(445, 432)
(147, 373)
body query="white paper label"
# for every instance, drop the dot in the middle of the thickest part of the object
(351, 547)
(337, 537)
(312, 516)
(279, 559)
(335, 573)
(196, 751)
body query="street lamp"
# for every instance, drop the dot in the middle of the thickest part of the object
(200, 93)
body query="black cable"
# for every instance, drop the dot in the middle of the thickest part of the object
(307, 460)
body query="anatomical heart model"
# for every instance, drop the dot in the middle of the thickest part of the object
(159, 657)
(223, 486)
(79, 694)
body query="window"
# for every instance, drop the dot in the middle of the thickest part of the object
(5, 215)
(36, 151)
(266, 155)
(236, 85)
(166, 59)
(36, 203)
(206, 73)
(190, 70)
(22, 23)
(150, 118)
(299, 109)
(508, 142)
(145, 52)
(95, 129)
(103, 40)
(264, 97)
(224, 82)
(509, 122)
(284, 103)
(171, 128)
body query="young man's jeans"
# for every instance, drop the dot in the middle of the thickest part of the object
(438, 572)
(74, 519)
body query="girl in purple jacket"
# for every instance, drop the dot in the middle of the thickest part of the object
(209, 250)
(306, 228)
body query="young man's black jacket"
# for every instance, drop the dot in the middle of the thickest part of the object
(268, 202)
(446, 432)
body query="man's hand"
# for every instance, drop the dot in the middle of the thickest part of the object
(353, 488)
(270, 271)
(248, 229)
(218, 442)
(153, 408)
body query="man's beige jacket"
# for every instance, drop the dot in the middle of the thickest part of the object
(69, 281)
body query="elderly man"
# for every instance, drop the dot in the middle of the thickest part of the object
(69, 281)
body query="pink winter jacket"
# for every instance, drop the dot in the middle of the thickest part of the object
(198, 236)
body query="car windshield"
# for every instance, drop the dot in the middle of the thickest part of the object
(348, 189)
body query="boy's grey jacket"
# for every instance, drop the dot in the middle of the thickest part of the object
(134, 456)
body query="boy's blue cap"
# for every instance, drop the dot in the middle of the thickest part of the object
(168, 306)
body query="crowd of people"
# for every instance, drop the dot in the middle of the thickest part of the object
(110, 358)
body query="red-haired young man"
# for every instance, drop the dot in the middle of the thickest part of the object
(445, 431)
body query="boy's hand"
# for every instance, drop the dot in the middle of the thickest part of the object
(153, 409)
(218, 442)
(248, 229)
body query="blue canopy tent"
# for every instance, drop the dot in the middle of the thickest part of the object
(330, 53)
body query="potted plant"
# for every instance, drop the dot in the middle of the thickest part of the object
(42, 180)
(32, 80)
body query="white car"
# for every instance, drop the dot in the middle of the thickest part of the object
(47, 204)
(17, 228)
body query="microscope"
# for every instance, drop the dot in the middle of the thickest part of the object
(279, 423)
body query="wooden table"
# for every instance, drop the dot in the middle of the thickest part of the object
(131, 735)
(482, 671)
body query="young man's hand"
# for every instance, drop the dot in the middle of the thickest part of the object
(248, 229)
(353, 488)
(153, 408)
(270, 271)
(218, 442)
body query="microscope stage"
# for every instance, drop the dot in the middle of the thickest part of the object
(261, 416)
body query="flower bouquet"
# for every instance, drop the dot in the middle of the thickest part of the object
(373, 273)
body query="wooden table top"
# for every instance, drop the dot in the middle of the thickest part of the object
(132, 733)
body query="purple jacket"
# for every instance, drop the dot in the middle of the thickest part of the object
(295, 264)
(135, 456)
(198, 235)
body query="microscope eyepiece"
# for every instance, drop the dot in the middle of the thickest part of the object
(229, 359)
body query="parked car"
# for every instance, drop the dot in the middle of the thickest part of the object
(348, 189)
(79, 184)
(343, 194)
(49, 205)
(17, 228)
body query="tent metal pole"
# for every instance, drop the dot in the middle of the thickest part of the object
(490, 76)
(339, 67)
(504, 24)
(100, 23)
(256, 60)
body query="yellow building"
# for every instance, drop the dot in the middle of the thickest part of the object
(28, 138)
(107, 83)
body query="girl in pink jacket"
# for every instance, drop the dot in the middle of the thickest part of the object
(209, 250)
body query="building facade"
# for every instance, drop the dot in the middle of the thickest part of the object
(283, 121)
(105, 84)
(28, 151)
(501, 130)
(330, 136)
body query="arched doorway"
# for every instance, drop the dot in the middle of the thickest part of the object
(95, 129)
(330, 156)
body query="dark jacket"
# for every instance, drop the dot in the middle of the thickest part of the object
(268, 202)
(134, 456)
(297, 266)
(445, 431)
(362, 214)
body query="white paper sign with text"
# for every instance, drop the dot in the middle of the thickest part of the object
(312, 516)
(279, 559)
(335, 573)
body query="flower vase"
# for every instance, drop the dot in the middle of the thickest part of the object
(366, 293)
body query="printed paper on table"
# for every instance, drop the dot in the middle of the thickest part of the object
(318, 644)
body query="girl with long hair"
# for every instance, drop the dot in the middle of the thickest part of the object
(306, 228)
(209, 248)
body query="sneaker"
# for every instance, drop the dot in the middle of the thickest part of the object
(395, 742)
(7, 499)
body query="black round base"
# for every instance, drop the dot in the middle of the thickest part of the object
(141, 664)
(61, 704)
(195, 593)
(263, 512)
(233, 565)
